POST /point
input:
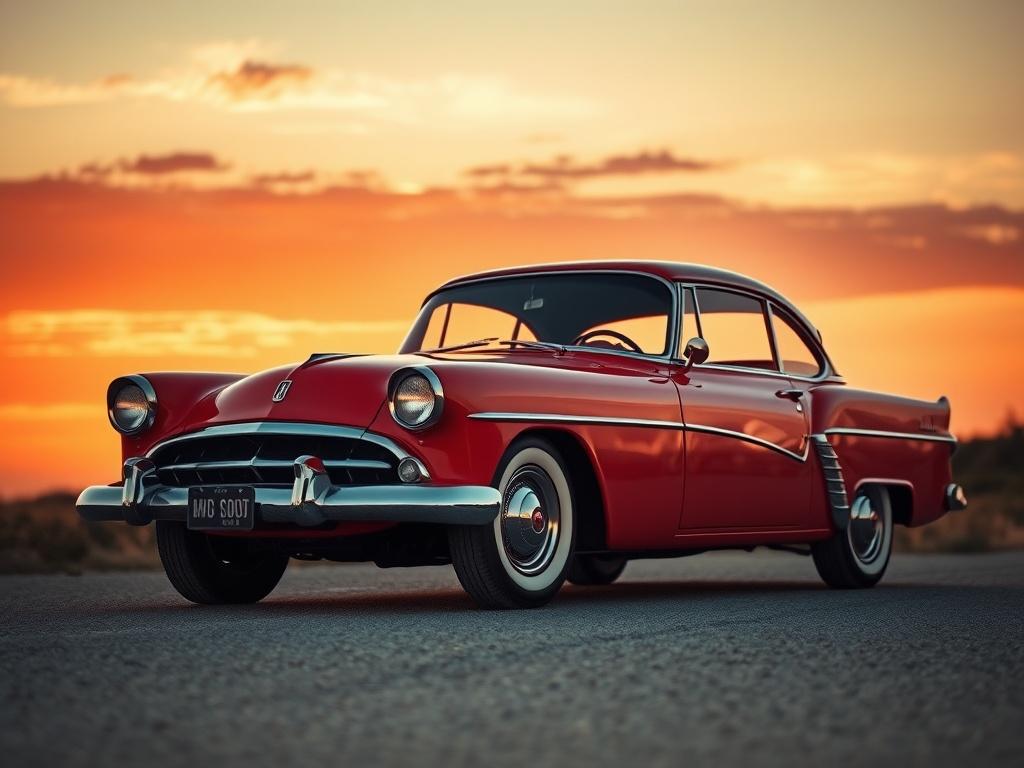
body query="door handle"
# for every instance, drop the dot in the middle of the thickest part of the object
(790, 394)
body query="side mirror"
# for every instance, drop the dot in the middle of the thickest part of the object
(695, 352)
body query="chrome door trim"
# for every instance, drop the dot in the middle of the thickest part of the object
(284, 428)
(856, 432)
(749, 439)
(560, 418)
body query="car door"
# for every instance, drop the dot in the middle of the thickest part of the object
(746, 439)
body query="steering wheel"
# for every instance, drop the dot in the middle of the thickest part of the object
(583, 338)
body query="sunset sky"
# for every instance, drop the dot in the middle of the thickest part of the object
(231, 185)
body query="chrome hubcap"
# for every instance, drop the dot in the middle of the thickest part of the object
(530, 520)
(866, 529)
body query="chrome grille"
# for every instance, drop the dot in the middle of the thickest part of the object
(218, 456)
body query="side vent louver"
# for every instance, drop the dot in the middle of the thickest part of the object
(834, 483)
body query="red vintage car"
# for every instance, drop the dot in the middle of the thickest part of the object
(538, 424)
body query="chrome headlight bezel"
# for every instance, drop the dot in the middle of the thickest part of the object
(119, 384)
(400, 377)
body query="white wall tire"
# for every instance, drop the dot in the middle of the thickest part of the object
(520, 561)
(857, 557)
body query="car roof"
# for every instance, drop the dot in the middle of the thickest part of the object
(666, 270)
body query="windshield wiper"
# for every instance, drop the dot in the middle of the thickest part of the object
(559, 348)
(464, 345)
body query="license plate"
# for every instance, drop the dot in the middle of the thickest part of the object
(220, 508)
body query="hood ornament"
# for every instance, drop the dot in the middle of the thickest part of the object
(282, 390)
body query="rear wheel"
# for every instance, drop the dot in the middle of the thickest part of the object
(520, 560)
(857, 557)
(217, 569)
(595, 570)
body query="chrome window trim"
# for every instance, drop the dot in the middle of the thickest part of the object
(814, 348)
(826, 369)
(856, 432)
(672, 340)
(559, 418)
(284, 428)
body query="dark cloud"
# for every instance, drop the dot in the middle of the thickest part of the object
(258, 79)
(565, 168)
(175, 162)
(284, 177)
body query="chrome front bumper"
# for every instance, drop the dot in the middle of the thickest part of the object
(311, 501)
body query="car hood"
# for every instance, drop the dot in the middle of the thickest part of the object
(331, 389)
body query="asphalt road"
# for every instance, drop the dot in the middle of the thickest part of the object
(725, 658)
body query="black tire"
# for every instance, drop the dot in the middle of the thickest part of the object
(493, 561)
(837, 559)
(213, 570)
(595, 570)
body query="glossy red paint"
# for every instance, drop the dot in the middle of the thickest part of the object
(683, 459)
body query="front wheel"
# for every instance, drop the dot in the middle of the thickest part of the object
(520, 560)
(857, 557)
(217, 569)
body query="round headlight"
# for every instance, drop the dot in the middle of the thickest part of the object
(415, 398)
(131, 405)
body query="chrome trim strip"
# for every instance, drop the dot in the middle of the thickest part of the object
(284, 428)
(749, 439)
(550, 418)
(951, 439)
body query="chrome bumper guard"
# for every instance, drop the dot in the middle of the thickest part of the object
(311, 501)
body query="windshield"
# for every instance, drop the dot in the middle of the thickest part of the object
(622, 312)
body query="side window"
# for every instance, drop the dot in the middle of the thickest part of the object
(794, 353)
(734, 327)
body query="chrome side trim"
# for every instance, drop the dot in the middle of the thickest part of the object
(559, 418)
(835, 484)
(563, 418)
(748, 439)
(891, 435)
(284, 428)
